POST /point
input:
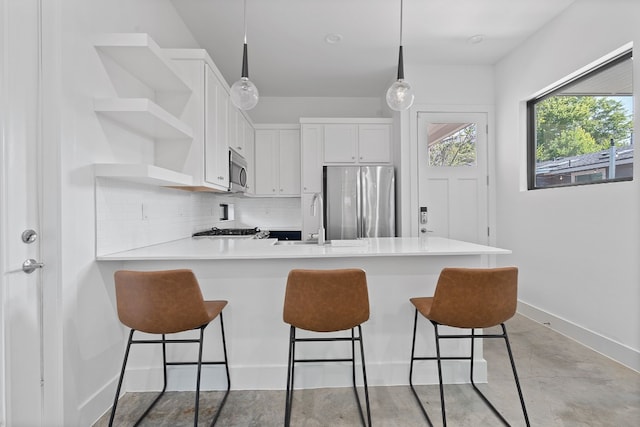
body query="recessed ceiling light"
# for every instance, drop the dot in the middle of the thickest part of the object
(333, 38)
(478, 38)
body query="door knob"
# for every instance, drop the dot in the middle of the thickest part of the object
(30, 265)
(29, 236)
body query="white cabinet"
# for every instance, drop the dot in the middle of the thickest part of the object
(277, 162)
(145, 82)
(233, 136)
(215, 121)
(311, 161)
(216, 125)
(247, 133)
(289, 158)
(357, 143)
(331, 141)
(238, 127)
(374, 143)
(266, 162)
(340, 143)
(249, 156)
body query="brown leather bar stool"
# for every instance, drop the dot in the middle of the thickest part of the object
(166, 302)
(470, 298)
(326, 301)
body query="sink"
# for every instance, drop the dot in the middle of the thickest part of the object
(296, 242)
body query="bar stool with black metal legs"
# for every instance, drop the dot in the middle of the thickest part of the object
(470, 298)
(326, 301)
(167, 302)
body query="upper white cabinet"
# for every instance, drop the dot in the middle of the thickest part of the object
(277, 162)
(266, 162)
(331, 141)
(289, 158)
(249, 155)
(146, 84)
(357, 143)
(217, 124)
(340, 143)
(216, 131)
(238, 128)
(374, 143)
(312, 136)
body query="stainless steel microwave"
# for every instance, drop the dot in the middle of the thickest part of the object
(237, 172)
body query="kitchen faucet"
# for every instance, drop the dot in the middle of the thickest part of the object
(317, 197)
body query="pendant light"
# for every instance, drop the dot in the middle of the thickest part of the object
(400, 95)
(244, 94)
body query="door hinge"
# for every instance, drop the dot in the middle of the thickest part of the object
(486, 129)
(487, 180)
(488, 232)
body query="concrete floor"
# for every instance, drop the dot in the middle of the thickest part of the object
(564, 384)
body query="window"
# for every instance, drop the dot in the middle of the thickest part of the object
(581, 132)
(452, 144)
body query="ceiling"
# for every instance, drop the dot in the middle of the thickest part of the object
(289, 57)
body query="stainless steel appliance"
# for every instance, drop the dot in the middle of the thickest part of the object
(237, 172)
(359, 201)
(252, 233)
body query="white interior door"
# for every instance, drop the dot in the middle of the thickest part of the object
(21, 296)
(453, 175)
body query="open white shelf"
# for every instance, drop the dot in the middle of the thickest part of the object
(142, 174)
(143, 58)
(144, 116)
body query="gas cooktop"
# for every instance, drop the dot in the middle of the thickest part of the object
(215, 231)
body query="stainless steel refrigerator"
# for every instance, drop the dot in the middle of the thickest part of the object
(359, 201)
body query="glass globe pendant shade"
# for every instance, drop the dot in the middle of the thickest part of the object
(400, 95)
(244, 94)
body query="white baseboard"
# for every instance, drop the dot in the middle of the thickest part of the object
(308, 375)
(93, 408)
(603, 345)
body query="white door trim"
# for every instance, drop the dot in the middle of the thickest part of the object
(413, 137)
(44, 18)
(51, 202)
(3, 204)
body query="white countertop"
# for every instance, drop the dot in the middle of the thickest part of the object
(230, 248)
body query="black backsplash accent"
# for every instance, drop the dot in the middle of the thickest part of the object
(286, 234)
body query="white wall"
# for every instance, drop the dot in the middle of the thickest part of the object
(437, 88)
(130, 215)
(592, 280)
(266, 213)
(577, 248)
(92, 336)
(438, 85)
(93, 339)
(289, 110)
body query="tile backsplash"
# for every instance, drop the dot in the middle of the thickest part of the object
(267, 213)
(130, 215)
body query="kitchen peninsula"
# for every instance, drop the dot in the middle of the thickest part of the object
(251, 274)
